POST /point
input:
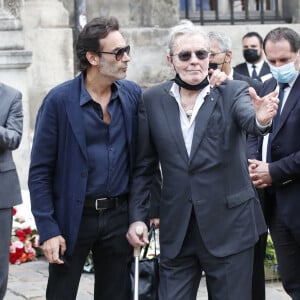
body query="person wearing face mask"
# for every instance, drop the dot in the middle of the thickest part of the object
(276, 163)
(254, 66)
(220, 58)
(210, 217)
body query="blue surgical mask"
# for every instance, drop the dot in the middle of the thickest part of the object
(285, 73)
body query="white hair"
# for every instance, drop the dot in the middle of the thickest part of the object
(185, 27)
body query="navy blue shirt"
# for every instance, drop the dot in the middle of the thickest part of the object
(107, 151)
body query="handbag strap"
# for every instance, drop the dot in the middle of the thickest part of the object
(150, 235)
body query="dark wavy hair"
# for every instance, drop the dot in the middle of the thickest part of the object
(89, 39)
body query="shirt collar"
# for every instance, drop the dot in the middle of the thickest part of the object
(257, 65)
(293, 82)
(85, 97)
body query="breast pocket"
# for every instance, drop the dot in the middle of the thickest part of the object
(215, 126)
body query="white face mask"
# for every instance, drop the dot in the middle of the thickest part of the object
(285, 73)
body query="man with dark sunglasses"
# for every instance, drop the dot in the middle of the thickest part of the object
(210, 217)
(81, 165)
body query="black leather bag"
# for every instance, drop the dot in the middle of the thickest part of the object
(148, 271)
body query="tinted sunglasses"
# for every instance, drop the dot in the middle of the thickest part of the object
(119, 53)
(186, 55)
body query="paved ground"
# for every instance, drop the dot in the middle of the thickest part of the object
(28, 281)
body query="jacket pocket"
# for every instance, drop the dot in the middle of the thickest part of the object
(240, 197)
(7, 165)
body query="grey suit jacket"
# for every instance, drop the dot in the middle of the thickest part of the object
(11, 126)
(214, 179)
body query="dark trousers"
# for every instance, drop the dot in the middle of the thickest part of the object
(228, 278)
(5, 234)
(105, 234)
(258, 278)
(287, 247)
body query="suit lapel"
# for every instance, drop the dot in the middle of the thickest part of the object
(171, 112)
(127, 113)
(246, 72)
(201, 121)
(264, 70)
(75, 116)
(290, 103)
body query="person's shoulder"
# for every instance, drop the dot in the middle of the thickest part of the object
(9, 89)
(256, 84)
(64, 85)
(230, 88)
(240, 66)
(128, 85)
(235, 84)
(129, 91)
(64, 89)
(164, 86)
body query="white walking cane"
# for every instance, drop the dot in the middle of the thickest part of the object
(136, 254)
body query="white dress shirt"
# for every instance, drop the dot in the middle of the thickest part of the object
(188, 126)
(258, 67)
(266, 137)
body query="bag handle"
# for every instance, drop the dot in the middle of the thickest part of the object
(150, 235)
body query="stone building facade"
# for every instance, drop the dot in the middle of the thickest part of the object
(42, 33)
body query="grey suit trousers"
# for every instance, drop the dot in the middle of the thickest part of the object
(5, 234)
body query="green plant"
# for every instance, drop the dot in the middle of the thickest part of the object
(271, 265)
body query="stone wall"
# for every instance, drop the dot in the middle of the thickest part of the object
(48, 27)
(149, 65)
(48, 35)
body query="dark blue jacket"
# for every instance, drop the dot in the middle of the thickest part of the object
(285, 151)
(59, 169)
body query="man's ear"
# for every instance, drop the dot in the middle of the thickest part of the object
(228, 56)
(170, 59)
(92, 58)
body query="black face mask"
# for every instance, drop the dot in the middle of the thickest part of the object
(213, 66)
(251, 55)
(190, 87)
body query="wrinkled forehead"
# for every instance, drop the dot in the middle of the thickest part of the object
(191, 41)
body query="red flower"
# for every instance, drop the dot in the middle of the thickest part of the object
(20, 234)
(27, 231)
(24, 244)
(13, 257)
(14, 211)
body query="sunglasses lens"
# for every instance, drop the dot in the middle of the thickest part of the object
(184, 56)
(201, 54)
(120, 53)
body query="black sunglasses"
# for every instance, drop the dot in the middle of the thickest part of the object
(119, 53)
(186, 55)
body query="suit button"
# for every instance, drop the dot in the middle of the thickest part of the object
(78, 201)
(83, 174)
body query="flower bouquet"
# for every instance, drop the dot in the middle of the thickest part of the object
(24, 245)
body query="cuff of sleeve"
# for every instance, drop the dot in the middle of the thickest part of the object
(264, 126)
